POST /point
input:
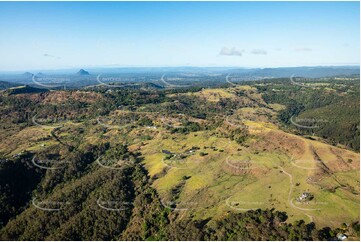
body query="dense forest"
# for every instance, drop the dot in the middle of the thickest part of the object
(331, 112)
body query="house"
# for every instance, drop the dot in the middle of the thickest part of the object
(151, 127)
(305, 196)
(341, 237)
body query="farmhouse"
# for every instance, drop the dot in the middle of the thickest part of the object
(341, 237)
(305, 196)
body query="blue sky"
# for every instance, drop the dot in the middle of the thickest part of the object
(55, 35)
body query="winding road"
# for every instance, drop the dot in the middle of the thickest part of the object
(289, 196)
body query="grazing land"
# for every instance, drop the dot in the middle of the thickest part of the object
(272, 159)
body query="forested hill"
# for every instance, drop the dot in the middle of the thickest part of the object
(260, 160)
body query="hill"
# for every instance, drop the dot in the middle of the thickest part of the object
(6, 85)
(28, 74)
(180, 164)
(82, 72)
(24, 89)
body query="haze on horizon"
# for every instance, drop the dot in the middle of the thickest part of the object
(57, 35)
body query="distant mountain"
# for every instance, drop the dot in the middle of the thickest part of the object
(40, 74)
(82, 72)
(28, 74)
(277, 72)
(310, 72)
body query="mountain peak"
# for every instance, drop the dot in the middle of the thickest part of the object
(82, 72)
(28, 74)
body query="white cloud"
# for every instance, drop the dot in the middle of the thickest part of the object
(231, 51)
(51, 56)
(259, 52)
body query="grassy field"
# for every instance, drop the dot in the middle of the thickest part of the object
(214, 184)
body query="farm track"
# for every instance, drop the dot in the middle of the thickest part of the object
(290, 192)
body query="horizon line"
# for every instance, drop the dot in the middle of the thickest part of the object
(180, 66)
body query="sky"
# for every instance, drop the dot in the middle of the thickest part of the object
(56, 35)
